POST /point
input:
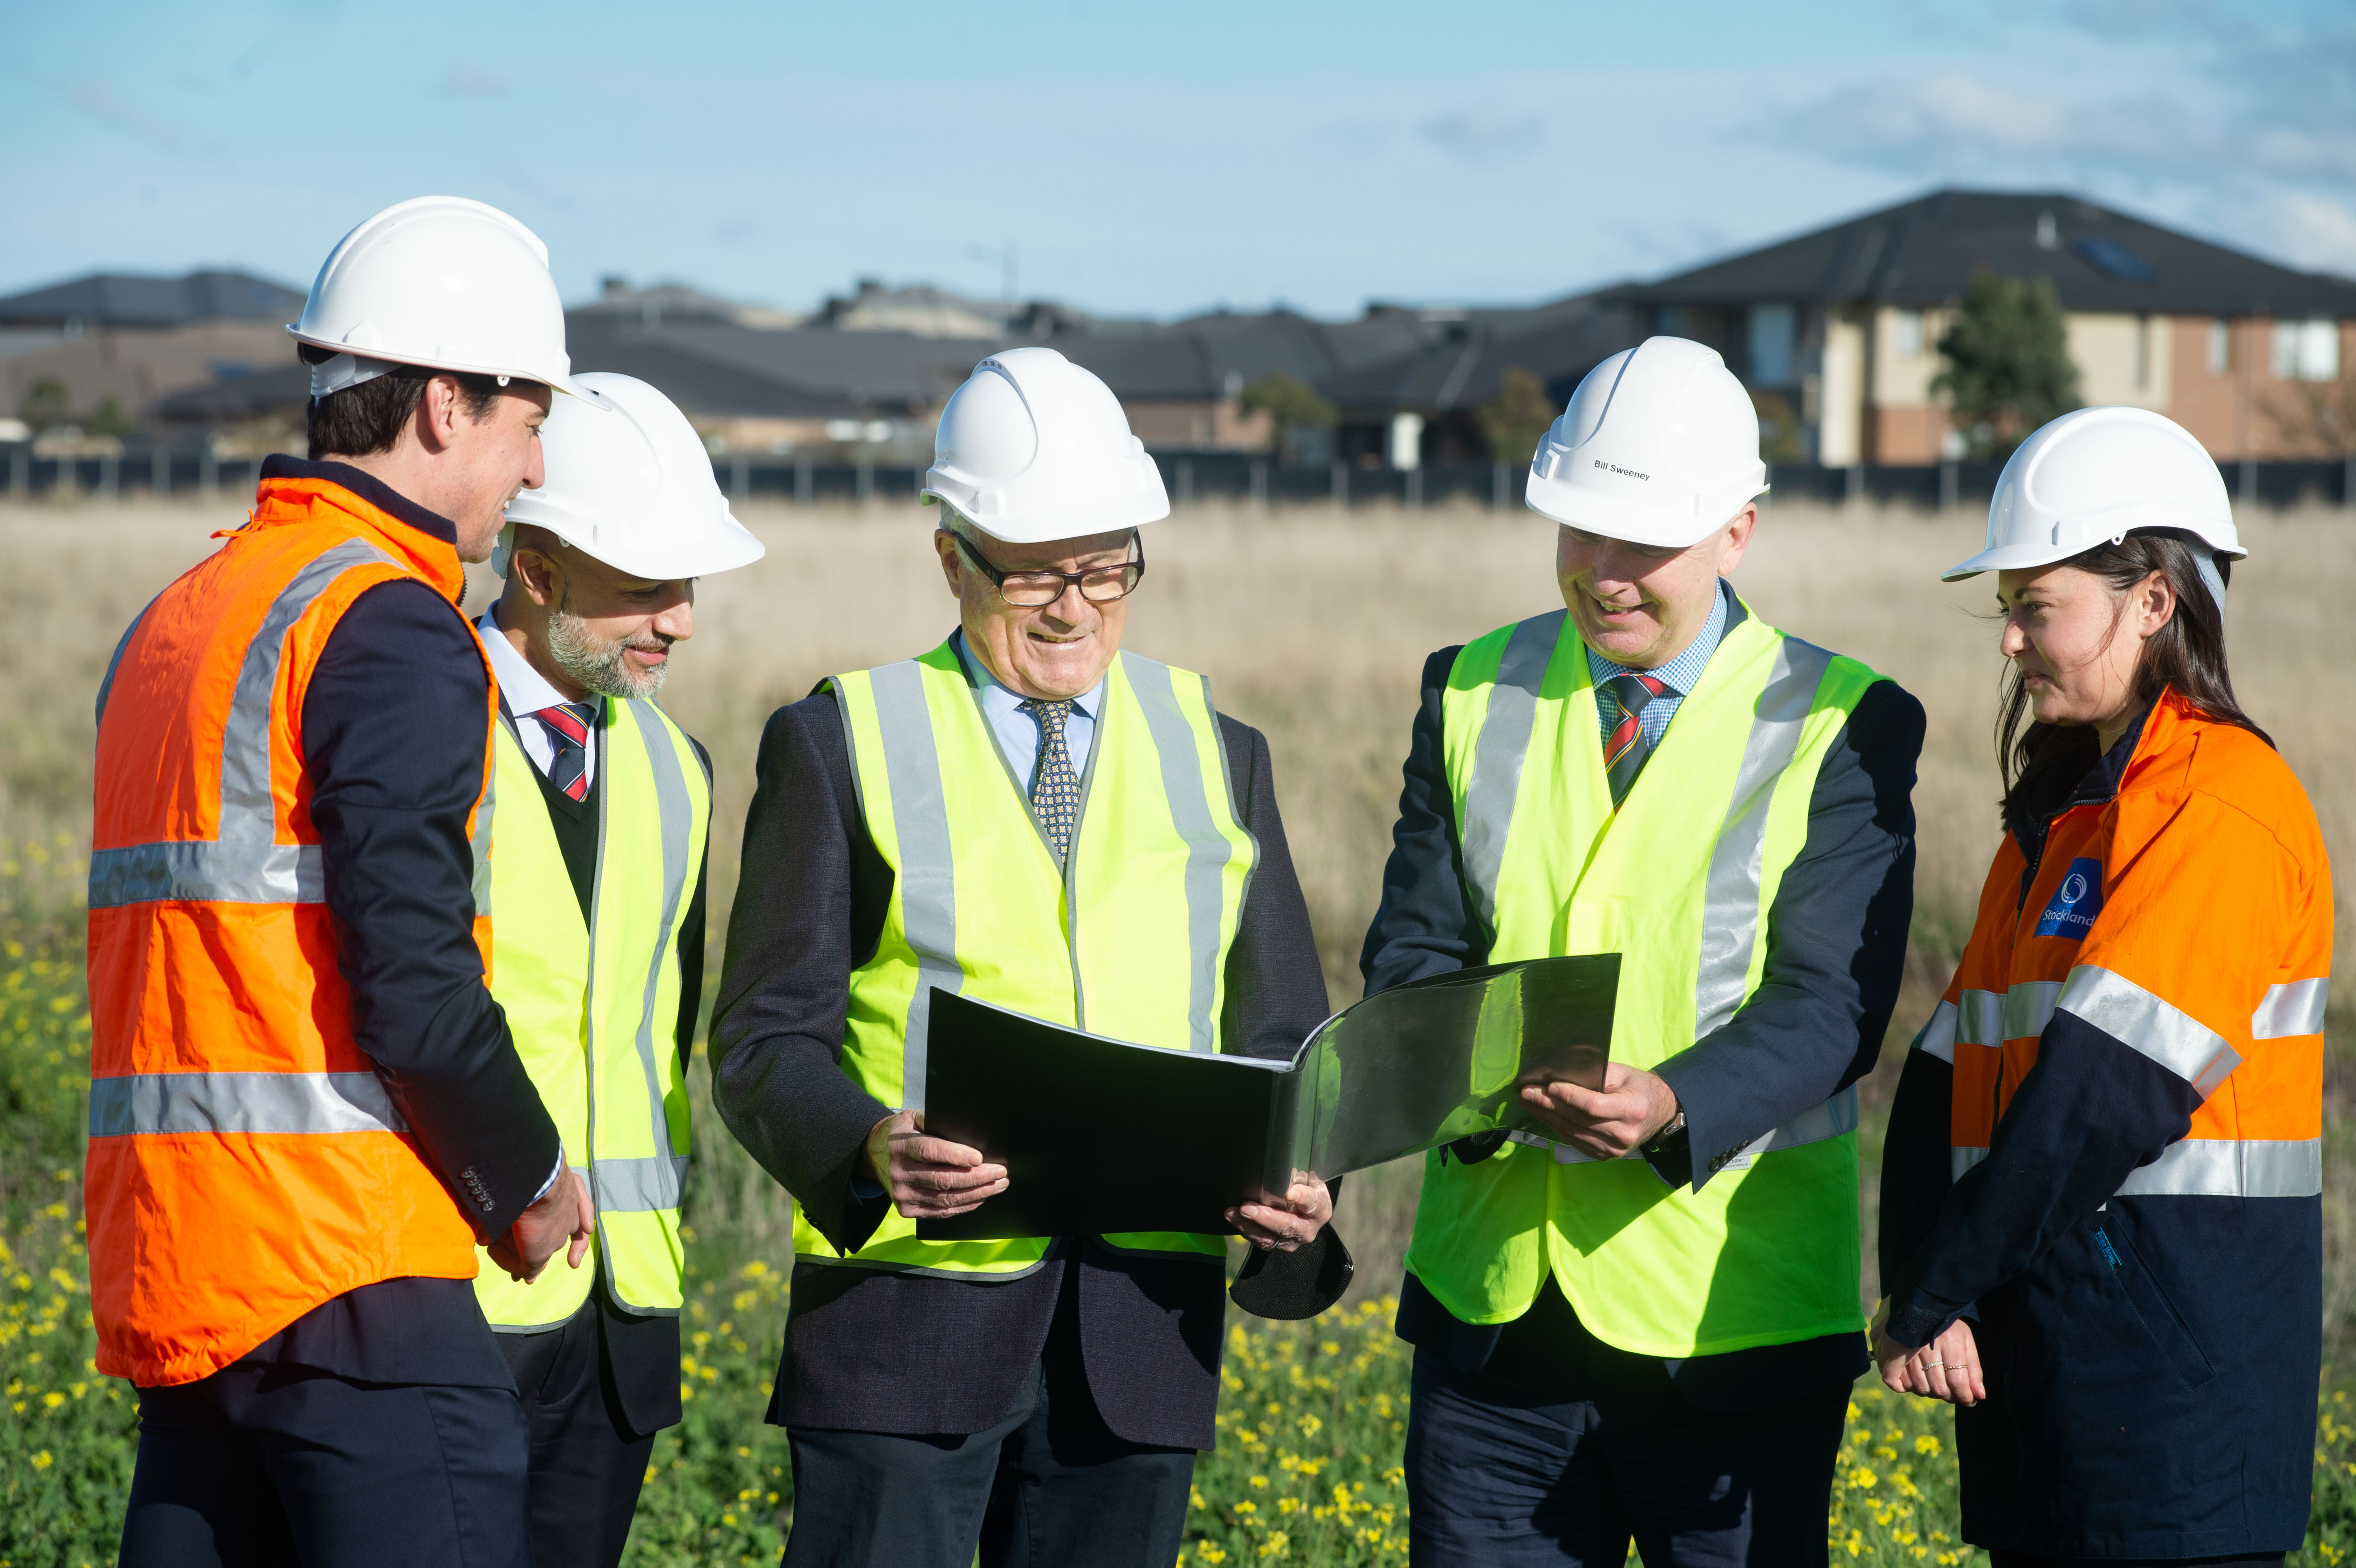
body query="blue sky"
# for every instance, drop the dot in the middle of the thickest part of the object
(1152, 159)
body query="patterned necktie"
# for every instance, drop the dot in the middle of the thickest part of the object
(1055, 787)
(1624, 753)
(568, 731)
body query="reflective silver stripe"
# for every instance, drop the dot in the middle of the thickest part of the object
(147, 1104)
(481, 843)
(1938, 1036)
(663, 1177)
(2223, 1167)
(244, 864)
(1961, 1158)
(213, 873)
(1836, 1117)
(1208, 850)
(2291, 1010)
(927, 875)
(2144, 1023)
(2028, 1008)
(638, 1185)
(1730, 921)
(1833, 1118)
(1979, 1018)
(1498, 753)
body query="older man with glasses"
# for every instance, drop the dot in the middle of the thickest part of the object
(1032, 818)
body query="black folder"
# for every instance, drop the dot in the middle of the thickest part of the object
(1102, 1136)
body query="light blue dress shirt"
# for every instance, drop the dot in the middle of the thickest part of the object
(1019, 733)
(1679, 675)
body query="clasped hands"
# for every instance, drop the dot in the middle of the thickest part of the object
(564, 1213)
(931, 1178)
(1947, 1368)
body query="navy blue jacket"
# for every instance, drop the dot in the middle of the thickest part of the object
(874, 1351)
(392, 732)
(1837, 951)
(2151, 1362)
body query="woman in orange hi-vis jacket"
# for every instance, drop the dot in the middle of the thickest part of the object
(2102, 1197)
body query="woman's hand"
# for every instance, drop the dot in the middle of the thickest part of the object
(1948, 1368)
(1305, 1211)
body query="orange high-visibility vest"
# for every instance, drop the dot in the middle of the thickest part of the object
(2189, 917)
(245, 1161)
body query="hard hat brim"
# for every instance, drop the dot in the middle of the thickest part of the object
(564, 384)
(1629, 518)
(704, 548)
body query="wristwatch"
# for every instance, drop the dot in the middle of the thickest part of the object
(1660, 1140)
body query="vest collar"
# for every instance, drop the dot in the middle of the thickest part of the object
(293, 490)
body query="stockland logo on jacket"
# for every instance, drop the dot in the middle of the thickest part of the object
(2075, 903)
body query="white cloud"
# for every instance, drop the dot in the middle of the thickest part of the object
(1485, 135)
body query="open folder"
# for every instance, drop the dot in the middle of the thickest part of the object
(1101, 1137)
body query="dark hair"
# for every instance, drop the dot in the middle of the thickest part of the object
(368, 418)
(2042, 761)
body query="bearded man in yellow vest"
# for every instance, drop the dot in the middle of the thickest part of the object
(597, 957)
(1031, 817)
(1645, 1324)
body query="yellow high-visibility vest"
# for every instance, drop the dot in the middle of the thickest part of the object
(594, 1005)
(1130, 939)
(1679, 880)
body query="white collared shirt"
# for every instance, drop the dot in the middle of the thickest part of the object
(526, 691)
(1020, 734)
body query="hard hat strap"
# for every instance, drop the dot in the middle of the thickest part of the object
(339, 371)
(2205, 561)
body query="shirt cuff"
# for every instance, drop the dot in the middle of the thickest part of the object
(550, 1182)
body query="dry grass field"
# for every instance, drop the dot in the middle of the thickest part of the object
(1312, 626)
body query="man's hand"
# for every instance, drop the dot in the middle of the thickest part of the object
(567, 1212)
(1632, 1107)
(1305, 1211)
(927, 1177)
(1948, 1368)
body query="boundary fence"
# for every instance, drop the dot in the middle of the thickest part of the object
(1243, 477)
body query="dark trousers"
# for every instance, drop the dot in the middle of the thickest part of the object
(1048, 1484)
(586, 1463)
(267, 1464)
(1499, 1474)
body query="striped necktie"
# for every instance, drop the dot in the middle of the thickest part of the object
(1624, 753)
(568, 725)
(1055, 787)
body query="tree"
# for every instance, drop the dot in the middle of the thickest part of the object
(1514, 420)
(2008, 369)
(108, 418)
(45, 404)
(1292, 405)
(2314, 417)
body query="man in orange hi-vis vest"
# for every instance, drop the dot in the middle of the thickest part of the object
(305, 1109)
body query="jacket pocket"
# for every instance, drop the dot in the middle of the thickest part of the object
(2160, 1320)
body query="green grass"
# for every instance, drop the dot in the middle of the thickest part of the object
(1312, 1419)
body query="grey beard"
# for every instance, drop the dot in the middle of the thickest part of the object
(597, 662)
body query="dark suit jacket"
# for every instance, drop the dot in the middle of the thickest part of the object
(1837, 951)
(875, 1351)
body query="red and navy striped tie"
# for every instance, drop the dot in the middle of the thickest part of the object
(1624, 753)
(568, 731)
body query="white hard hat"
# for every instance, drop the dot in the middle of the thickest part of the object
(1658, 447)
(632, 488)
(1034, 448)
(441, 282)
(2094, 477)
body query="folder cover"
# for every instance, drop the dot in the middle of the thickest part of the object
(1101, 1137)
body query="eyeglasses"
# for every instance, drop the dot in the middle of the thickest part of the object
(1030, 590)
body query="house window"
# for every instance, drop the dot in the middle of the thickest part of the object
(1773, 330)
(2306, 350)
(1909, 334)
(2221, 345)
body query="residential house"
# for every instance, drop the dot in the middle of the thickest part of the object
(1837, 331)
